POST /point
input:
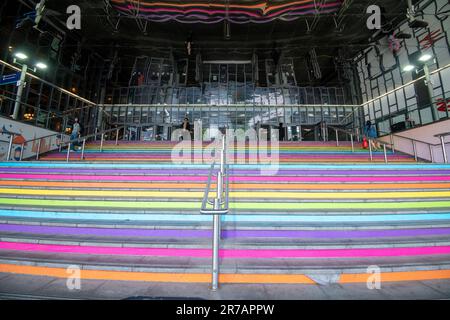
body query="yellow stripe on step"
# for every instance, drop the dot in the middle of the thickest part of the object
(236, 195)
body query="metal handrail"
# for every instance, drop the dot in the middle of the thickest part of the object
(430, 145)
(351, 133)
(10, 142)
(220, 207)
(85, 138)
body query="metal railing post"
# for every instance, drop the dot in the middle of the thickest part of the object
(82, 149)
(392, 144)
(444, 152)
(431, 153)
(11, 139)
(21, 151)
(39, 149)
(216, 240)
(370, 150)
(101, 143)
(385, 154)
(96, 131)
(117, 137)
(353, 144)
(415, 150)
(337, 138)
(68, 151)
(60, 142)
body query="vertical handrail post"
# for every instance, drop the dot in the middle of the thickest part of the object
(39, 149)
(385, 154)
(431, 153)
(392, 143)
(353, 144)
(21, 151)
(60, 142)
(414, 149)
(117, 137)
(101, 143)
(370, 150)
(82, 149)
(68, 151)
(11, 139)
(444, 152)
(337, 138)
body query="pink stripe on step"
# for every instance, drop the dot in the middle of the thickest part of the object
(62, 177)
(227, 253)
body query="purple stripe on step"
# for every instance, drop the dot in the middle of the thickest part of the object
(167, 233)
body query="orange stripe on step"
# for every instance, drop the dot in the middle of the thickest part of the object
(233, 186)
(397, 276)
(224, 278)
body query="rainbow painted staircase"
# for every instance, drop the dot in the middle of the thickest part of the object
(128, 213)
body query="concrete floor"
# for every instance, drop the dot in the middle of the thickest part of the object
(13, 286)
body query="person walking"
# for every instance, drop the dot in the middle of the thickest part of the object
(371, 133)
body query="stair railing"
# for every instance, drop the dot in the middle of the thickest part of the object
(353, 134)
(10, 143)
(220, 207)
(38, 151)
(85, 138)
(414, 143)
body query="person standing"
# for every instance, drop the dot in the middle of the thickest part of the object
(76, 131)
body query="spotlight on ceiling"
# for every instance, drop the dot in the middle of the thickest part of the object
(425, 57)
(21, 56)
(41, 65)
(408, 68)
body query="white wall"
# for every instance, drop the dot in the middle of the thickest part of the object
(27, 132)
(426, 134)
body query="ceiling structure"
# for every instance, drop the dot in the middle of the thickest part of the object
(227, 29)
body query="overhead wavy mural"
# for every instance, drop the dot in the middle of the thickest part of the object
(209, 13)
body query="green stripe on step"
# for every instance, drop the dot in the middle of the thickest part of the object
(239, 205)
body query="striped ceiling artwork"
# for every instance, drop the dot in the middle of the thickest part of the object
(214, 12)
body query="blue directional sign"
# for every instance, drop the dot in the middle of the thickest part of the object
(10, 78)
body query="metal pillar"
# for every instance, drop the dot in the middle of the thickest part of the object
(430, 92)
(20, 92)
